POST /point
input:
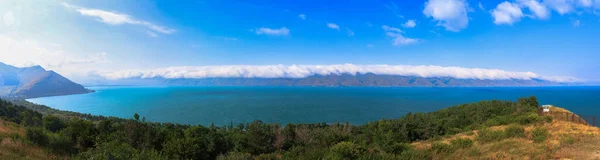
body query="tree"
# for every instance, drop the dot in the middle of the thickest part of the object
(53, 123)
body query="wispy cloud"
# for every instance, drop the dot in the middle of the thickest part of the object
(397, 37)
(302, 16)
(151, 34)
(576, 23)
(25, 53)
(451, 14)
(410, 24)
(283, 31)
(302, 71)
(114, 18)
(333, 26)
(481, 6)
(350, 32)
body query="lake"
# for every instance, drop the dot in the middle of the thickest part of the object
(357, 105)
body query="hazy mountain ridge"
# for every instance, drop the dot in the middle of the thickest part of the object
(32, 82)
(368, 79)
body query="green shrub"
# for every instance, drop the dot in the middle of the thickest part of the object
(498, 120)
(397, 148)
(1, 139)
(378, 156)
(548, 119)
(415, 155)
(487, 135)
(514, 131)
(442, 148)
(539, 134)
(270, 156)
(60, 144)
(462, 143)
(345, 150)
(15, 136)
(528, 119)
(37, 136)
(53, 123)
(235, 156)
(565, 139)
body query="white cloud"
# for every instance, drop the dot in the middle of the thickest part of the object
(576, 23)
(539, 10)
(409, 24)
(333, 26)
(507, 13)
(151, 34)
(114, 18)
(350, 33)
(560, 6)
(391, 29)
(302, 16)
(585, 3)
(283, 31)
(397, 37)
(451, 14)
(301, 71)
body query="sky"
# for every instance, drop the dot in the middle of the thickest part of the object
(524, 39)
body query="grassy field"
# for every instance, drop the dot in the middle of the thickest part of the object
(563, 140)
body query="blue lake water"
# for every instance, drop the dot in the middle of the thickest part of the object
(357, 105)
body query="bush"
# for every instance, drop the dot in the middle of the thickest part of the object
(486, 135)
(235, 156)
(442, 148)
(539, 134)
(514, 131)
(379, 156)
(462, 143)
(15, 136)
(499, 120)
(415, 155)
(528, 119)
(53, 123)
(548, 119)
(345, 150)
(565, 139)
(397, 148)
(60, 144)
(37, 136)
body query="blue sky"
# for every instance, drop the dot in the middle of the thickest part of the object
(85, 38)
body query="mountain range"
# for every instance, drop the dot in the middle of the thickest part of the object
(33, 82)
(334, 80)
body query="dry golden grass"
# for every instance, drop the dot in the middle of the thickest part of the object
(566, 140)
(14, 149)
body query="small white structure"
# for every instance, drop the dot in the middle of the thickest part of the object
(546, 108)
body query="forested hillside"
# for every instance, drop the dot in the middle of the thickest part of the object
(115, 138)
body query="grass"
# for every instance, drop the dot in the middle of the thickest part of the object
(552, 139)
(12, 146)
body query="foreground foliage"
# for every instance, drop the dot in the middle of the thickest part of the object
(96, 137)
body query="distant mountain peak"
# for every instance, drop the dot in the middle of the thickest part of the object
(35, 81)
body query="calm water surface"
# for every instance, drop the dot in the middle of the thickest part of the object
(357, 105)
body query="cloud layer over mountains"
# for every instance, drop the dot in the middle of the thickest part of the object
(302, 71)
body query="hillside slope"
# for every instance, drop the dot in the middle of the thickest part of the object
(561, 140)
(32, 82)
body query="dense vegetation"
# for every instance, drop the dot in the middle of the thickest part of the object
(92, 137)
